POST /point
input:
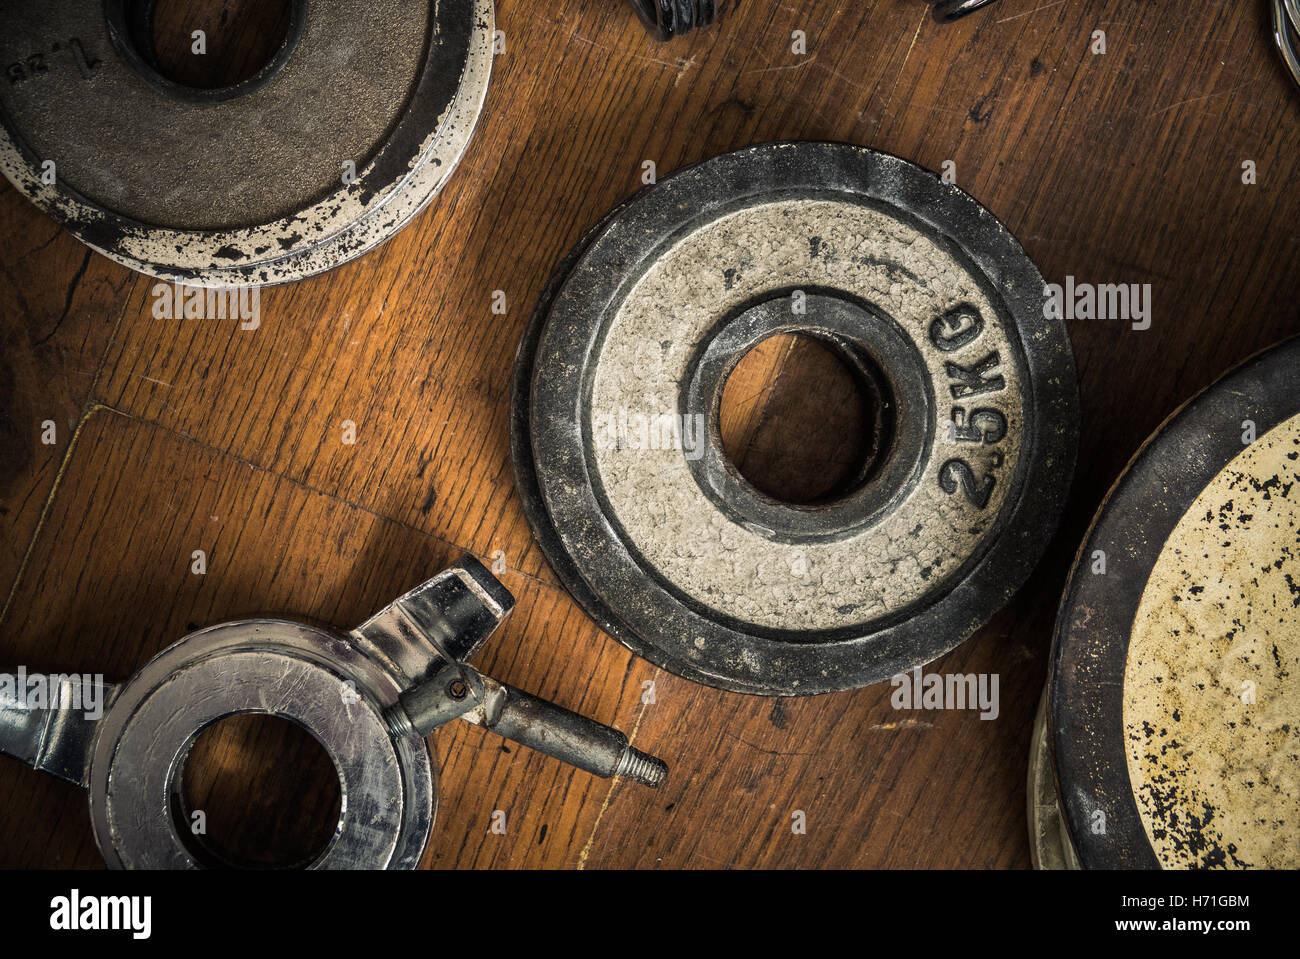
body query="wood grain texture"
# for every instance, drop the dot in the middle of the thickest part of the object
(1117, 168)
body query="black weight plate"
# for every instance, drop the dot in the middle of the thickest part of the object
(923, 291)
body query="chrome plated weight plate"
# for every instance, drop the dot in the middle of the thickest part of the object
(251, 183)
(1173, 714)
(939, 313)
(306, 675)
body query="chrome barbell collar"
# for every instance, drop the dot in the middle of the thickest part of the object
(369, 697)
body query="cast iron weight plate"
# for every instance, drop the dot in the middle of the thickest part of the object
(243, 184)
(1147, 721)
(923, 292)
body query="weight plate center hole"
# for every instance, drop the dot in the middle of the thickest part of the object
(257, 792)
(211, 45)
(803, 422)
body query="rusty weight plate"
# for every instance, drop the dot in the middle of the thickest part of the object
(244, 184)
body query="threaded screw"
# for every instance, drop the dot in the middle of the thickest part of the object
(641, 767)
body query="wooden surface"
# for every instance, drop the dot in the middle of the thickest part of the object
(174, 436)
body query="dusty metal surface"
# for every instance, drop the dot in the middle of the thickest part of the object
(244, 185)
(1212, 684)
(1172, 698)
(928, 299)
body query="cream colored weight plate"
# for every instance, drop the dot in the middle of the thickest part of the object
(1173, 722)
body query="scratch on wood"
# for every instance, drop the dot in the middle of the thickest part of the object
(1030, 13)
(609, 794)
(769, 752)
(904, 724)
(898, 76)
(1183, 103)
(141, 376)
(789, 66)
(67, 301)
(680, 63)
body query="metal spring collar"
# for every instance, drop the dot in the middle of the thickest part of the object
(1286, 32)
(666, 19)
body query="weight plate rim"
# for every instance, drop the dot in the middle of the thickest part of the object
(521, 447)
(1049, 849)
(985, 243)
(387, 212)
(1088, 745)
